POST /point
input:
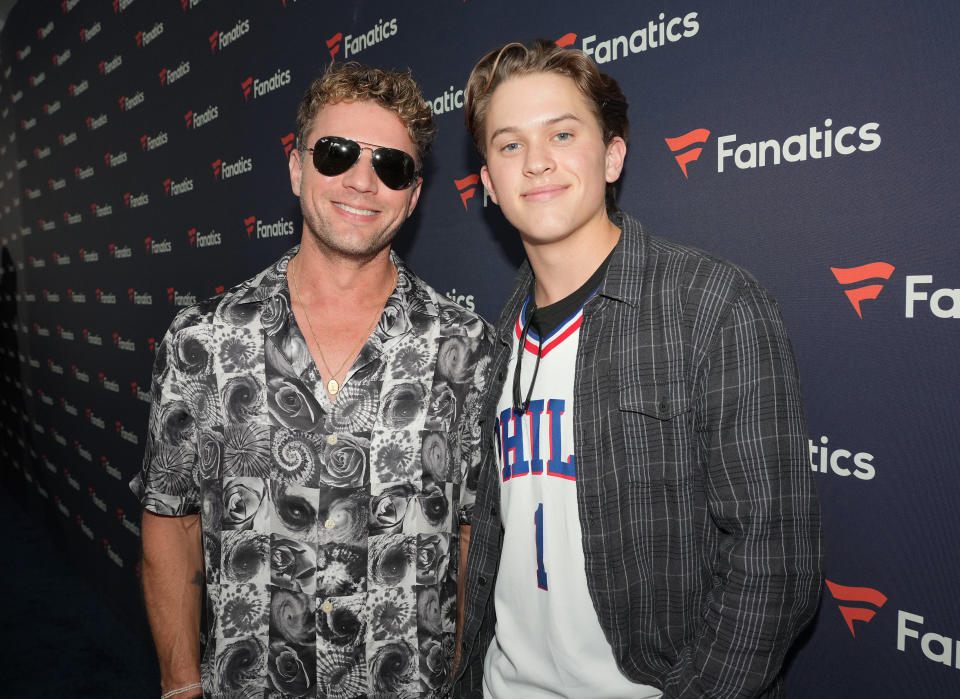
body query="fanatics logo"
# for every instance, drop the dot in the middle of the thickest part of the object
(157, 247)
(44, 32)
(149, 143)
(107, 67)
(82, 173)
(170, 76)
(288, 143)
(259, 88)
(862, 595)
(114, 159)
(203, 240)
(140, 298)
(353, 45)
(194, 120)
(251, 223)
(87, 34)
(23, 53)
(467, 188)
(855, 275)
(567, 40)
(333, 45)
(225, 171)
(61, 58)
(180, 299)
(121, 5)
(145, 37)
(53, 108)
(37, 79)
(67, 138)
(78, 89)
(132, 202)
(189, 4)
(128, 103)
(696, 137)
(94, 123)
(172, 189)
(219, 40)
(67, 5)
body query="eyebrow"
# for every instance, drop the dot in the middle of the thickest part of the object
(547, 122)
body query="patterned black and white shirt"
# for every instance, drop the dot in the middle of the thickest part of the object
(330, 531)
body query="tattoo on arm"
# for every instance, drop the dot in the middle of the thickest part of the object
(198, 578)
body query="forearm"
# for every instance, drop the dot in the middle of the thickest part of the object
(172, 576)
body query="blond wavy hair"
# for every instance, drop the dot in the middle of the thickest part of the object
(353, 82)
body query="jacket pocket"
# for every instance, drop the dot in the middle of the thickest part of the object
(658, 439)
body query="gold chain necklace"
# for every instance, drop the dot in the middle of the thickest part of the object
(333, 387)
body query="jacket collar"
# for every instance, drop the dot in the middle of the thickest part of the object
(622, 282)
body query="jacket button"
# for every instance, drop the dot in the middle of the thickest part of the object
(500, 376)
(483, 581)
(493, 510)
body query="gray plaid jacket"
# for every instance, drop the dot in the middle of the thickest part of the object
(701, 526)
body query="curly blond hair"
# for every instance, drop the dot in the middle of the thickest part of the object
(353, 82)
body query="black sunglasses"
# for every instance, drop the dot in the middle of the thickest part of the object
(333, 155)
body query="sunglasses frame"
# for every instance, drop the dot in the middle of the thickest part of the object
(376, 159)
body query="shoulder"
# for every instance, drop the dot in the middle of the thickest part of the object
(237, 305)
(453, 319)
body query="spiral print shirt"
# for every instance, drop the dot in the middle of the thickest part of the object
(330, 530)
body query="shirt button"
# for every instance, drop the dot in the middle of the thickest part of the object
(493, 510)
(483, 581)
(329, 524)
(499, 376)
(331, 439)
(327, 607)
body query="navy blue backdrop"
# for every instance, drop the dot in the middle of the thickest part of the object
(143, 150)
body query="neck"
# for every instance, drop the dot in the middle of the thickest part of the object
(563, 266)
(325, 279)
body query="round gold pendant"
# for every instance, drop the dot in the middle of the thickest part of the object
(332, 387)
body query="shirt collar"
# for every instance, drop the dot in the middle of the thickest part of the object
(272, 281)
(622, 282)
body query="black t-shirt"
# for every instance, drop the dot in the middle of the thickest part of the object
(547, 319)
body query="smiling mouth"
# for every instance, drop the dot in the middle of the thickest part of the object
(353, 210)
(544, 193)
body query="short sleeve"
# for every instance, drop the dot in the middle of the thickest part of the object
(167, 483)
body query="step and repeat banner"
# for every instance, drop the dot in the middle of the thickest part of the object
(143, 167)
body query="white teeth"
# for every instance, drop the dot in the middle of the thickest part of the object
(352, 210)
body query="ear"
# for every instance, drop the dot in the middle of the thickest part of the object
(616, 154)
(295, 166)
(488, 183)
(414, 196)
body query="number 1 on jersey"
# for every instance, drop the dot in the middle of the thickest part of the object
(538, 524)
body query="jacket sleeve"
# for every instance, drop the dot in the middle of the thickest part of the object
(760, 496)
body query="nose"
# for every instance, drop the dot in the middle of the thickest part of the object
(538, 159)
(361, 176)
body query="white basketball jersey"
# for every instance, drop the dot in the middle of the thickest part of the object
(548, 640)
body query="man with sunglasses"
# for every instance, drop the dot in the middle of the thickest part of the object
(310, 434)
(645, 521)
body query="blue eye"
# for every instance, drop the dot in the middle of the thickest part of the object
(564, 136)
(510, 147)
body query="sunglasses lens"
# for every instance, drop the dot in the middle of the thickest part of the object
(333, 155)
(395, 168)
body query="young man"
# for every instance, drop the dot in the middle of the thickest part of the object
(645, 522)
(309, 436)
